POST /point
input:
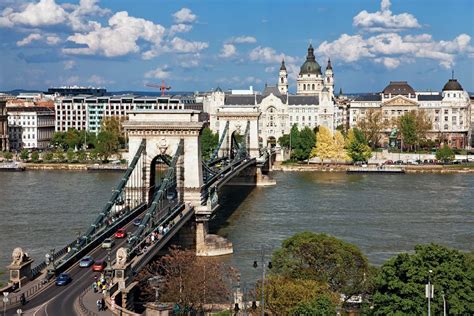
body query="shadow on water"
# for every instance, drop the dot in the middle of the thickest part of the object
(230, 199)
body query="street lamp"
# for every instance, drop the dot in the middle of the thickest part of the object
(5, 302)
(429, 291)
(262, 263)
(444, 303)
(155, 282)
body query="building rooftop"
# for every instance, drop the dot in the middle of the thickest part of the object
(398, 88)
(452, 85)
(368, 97)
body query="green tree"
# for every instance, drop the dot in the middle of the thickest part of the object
(304, 144)
(35, 156)
(72, 139)
(283, 294)
(357, 147)
(70, 155)
(113, 126)
(7, 155)
(107, 144)
(58, 139)
(325, 148)
(93, 155)
(323, 258)
(407, 127)
(48, 156)
(209, 142)
(445, 154)
(321, 306)
(81, 155)
(59, 155)
(372, 125)
(24, 155)
(400, 284)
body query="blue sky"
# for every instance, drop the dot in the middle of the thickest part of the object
(198, 45)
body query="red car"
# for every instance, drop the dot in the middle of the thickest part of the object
(120, 233)
(99, 265)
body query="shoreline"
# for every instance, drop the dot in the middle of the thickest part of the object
(74, 167)
(412, 169)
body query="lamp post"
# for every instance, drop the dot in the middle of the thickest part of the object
(155, 282)
(5, 302)
(429, 292)
(262, 263)
(444, 303)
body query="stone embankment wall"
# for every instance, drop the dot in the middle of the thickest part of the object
(73, 167)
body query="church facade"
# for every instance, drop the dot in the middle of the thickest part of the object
(312, 105)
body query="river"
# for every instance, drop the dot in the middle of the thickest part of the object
(382, 214)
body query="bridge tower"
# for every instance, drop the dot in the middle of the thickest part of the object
(238, 117)
(163, 131)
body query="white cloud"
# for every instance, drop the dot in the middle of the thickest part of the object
(270, 69)
(119, 38)
(227, 51)
(184, 15)
(180, 28)
(49, 39)
(159, 73)
(72, 80)
(268, 55)
(183, 46)
(77, 17)
(384, 20)
(52, 40)
(42, 13)
(69, 64)
(188, 60)
(390, 49)
(347, 48)
(98, 80)
(388, 62)
(243, 40)
(30, 38)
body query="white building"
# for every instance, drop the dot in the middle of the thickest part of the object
(312, 106)
(30, 127)
(449, 110)
(87, 112)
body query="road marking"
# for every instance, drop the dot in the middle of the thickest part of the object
(44, 304)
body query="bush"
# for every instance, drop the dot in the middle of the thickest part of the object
(59, 155)
(70, 155)
(35, 156)
(445, 154)
(48, 156)
(7, 155)
(24, 155)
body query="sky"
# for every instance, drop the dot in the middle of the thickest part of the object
(199, 45)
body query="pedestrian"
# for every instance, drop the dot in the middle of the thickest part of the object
(23, 299)
(99, 305)
(102, 301)
(94, 287)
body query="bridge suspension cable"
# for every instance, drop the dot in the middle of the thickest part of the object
(168, 182)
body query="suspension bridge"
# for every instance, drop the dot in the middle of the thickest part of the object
(176, 206)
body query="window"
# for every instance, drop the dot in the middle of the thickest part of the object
(445, 118)
(304, 86)
(313, 86)
(281, 79)
(446, 126)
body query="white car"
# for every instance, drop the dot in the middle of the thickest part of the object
(108, 243)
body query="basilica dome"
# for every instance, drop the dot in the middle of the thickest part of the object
(452, 85)
(310, 66)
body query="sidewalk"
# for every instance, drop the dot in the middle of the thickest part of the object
(30, 289)
(87, 303)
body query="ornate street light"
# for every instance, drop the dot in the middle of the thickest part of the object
(264, 268)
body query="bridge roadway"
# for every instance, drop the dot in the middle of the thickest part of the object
(59, 300)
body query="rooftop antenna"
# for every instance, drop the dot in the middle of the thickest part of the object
(452, 74)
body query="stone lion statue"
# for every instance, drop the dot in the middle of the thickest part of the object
(18, 256)
(122, 256)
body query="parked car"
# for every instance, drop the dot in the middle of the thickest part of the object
(388, 162)
(86, 262)
(108, 243)
(99, 265)
(137, 221)
(63, 279)
(120, 233)
(399, 162)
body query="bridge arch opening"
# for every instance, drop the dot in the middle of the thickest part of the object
(158, 168)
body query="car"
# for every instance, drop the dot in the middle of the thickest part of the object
(399, 162)
(120, 233)
(108, 243)
(171, 195)
(86, 262)
(99, 265)
(137, 221)
(389, 162)
(63, 279)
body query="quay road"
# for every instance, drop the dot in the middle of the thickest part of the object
(60, 300)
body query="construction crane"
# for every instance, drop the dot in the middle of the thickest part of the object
(162, 87)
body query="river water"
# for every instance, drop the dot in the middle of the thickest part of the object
(382, 214)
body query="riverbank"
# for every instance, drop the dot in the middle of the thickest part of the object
(75, 167)
(443, 169)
